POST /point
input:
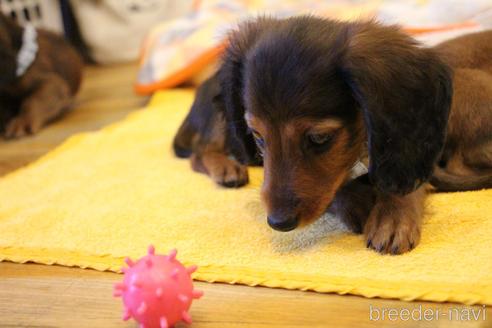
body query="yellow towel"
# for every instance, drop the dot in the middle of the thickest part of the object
(105, 195)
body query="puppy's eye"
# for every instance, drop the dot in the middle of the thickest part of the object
(320, 139)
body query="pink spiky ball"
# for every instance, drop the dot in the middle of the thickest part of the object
(157, 290)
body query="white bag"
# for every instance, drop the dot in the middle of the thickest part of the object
(114, 29)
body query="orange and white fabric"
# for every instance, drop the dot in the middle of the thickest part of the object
(177, 50)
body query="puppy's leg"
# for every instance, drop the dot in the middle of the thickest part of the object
(465, 169)
(44, 104)
(394, 224)
(353, 203)
(221, 169)
(202, 137)
(210, 157)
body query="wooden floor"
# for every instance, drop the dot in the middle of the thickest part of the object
(34, 295)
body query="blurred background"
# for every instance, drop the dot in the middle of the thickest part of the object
(107, 31)
(183, 37)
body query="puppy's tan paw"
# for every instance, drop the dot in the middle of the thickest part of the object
(230, 174)
(223, 170)
(392, 232)
(21, 126)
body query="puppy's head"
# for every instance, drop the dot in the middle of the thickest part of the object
(307, 94)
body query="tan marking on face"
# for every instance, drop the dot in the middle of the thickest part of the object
(318, 180)
(326, 126)
(301, 126)
(294, 174)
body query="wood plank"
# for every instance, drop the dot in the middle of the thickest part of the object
(51, 296)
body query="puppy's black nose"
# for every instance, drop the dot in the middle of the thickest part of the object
(283, 223)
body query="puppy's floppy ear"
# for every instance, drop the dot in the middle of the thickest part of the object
(405, 94)
(240, 140)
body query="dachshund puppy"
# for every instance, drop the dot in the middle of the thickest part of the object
(39, 76)
(312, 98)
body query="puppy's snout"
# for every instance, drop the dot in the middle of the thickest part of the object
(282, 207)
(283, 223)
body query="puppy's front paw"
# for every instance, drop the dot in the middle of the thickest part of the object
(21, 126)
(230, 174)
(392, 230)
(223, 170)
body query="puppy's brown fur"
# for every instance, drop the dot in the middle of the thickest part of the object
(309, 97)
(466, 162)
(45, 90)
